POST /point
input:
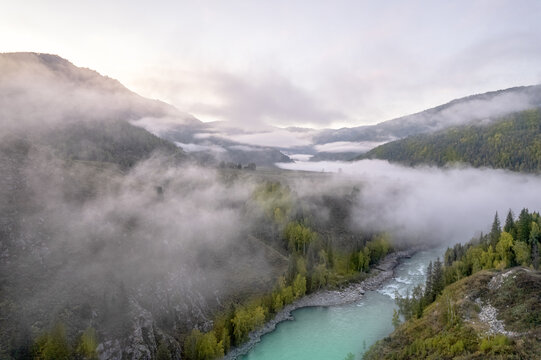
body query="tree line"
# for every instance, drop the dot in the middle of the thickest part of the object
(516, 244)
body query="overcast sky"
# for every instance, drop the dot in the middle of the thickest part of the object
(290, 63)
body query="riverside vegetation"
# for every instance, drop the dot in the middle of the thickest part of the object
(470, 306)
(313, 264)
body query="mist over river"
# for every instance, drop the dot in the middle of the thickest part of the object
(438, 205)
(332, 332)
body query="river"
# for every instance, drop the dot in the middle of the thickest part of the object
(328, 333)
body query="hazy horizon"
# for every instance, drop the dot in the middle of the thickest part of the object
(304, 64)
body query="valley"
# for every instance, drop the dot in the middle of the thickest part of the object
(132, 230)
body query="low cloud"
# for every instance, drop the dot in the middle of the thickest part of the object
(348, 146)
(280, 138)
(244, 148)
(300, 157)
(200, 147)
(430, 204)
(485, 109)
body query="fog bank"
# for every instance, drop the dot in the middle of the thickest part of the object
(446, 205)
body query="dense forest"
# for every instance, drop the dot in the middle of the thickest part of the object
(512, 142)
(444, 318)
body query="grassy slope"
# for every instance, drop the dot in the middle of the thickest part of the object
(451, 326)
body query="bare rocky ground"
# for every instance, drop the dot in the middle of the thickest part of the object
(489, 314)
(352, 293)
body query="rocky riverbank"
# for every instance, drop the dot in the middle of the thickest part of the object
(352, 293)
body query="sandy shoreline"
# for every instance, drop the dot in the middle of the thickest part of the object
(354, 292)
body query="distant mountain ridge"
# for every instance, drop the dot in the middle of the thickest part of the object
(48, 104)
(61, 91)
(45, 91)
(512, 142)
(462, 111)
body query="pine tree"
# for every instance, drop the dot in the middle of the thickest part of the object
(428, 285)
(523, 226)
(535, 234)
(437, 279)
(510, 224)
(495, 231)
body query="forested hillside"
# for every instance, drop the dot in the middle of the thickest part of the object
(463, 111)
(472, 305)
(512, 143)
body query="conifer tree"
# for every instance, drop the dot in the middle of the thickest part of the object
(510, 224)
(428, 284)
(535, 234)
(523, 226)
(495, 231)
(437, 278)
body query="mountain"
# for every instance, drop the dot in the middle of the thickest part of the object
(511, 142)
(62, 93)
(112, 240)
(115, 244)
(47, 102)
(470, 110)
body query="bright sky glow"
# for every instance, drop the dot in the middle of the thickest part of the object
(290, 63)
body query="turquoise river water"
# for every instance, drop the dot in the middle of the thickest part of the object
(320, 333)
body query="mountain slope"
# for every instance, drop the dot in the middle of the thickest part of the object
(41, 93)
(42, 90)
(48, 102)
(463, 111)
(476, 109)
(513, 142)
(111, 247)
(491, 314)
(106, 229)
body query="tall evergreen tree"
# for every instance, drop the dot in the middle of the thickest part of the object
(437, 278)
(428, 285)
(495, 231)
(510, 224)
(535, 235)
(523, 226)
